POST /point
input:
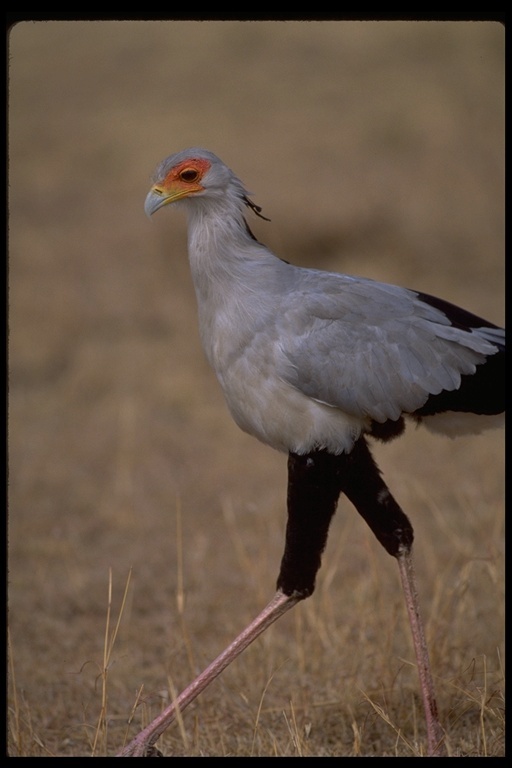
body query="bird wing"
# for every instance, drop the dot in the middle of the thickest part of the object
(376, 350)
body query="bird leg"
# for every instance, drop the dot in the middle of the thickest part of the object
(364, 486)
(315, 482)
(313, 490)
(142, 744)
(435, 733)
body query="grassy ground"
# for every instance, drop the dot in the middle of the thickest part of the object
(376, 149)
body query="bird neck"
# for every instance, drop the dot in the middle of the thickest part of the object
(220, 245)
(217, 220)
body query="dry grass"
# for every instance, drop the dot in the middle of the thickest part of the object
(376, 149)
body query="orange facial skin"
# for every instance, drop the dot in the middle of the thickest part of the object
(183, 180)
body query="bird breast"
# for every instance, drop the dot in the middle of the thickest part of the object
(245, 346)
(278, 414)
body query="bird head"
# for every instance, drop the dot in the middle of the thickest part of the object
(195, 173)
(190, 173)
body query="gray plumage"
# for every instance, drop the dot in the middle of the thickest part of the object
(310, 359)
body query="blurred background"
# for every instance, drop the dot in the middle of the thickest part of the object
(375, 148)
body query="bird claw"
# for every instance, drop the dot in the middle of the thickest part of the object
(140, 749)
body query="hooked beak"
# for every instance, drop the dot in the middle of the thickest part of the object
(168, 191)
(157, 198)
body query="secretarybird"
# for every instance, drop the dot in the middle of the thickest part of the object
(314, 363)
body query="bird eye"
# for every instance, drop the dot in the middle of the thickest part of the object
(189, 174)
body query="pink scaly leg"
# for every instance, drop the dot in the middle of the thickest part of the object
(435, 733)
(143, 744)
